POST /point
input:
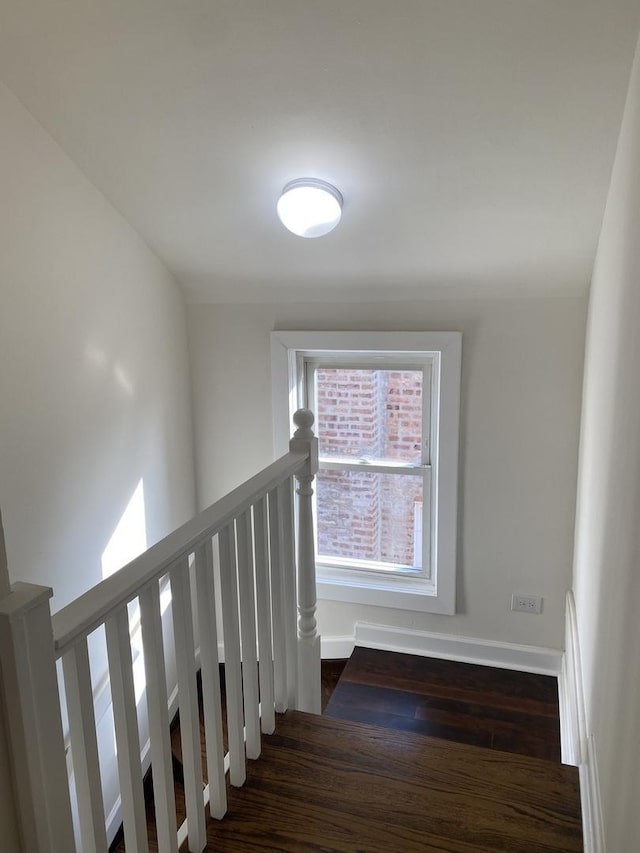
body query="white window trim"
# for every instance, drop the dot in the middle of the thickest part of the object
(438, 594)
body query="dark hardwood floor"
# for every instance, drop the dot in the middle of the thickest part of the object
(330, 786)
(364, 778)
(331, 672)
(495, 708)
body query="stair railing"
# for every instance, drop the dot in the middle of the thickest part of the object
(271, 664)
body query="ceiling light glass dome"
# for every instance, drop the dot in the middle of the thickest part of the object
(309, 208)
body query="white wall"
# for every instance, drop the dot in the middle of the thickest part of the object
(521, 383)
(94, 385)
(607, 551)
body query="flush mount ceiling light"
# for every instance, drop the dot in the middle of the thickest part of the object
(309, 208)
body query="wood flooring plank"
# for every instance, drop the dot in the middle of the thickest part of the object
(500, 688)
(335, 786)
(486, 706)
(331, 670)
(393, 751)
(405, 723)
(423, 706)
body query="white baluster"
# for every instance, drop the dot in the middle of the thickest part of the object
(159, 737)
(209, 668)
(285, 497)
(84, 748)
(232, 671)
(188, 695)
(32, 716)
(126, 727)
(279, 637)
(248, 633)
(263, 596)
(309, 658)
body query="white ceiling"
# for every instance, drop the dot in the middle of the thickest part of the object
(472, 139)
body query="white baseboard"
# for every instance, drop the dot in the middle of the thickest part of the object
(578, 746)
(337, 648)
(592, 825)
(573, 733)
(465, 649)
(332, 648)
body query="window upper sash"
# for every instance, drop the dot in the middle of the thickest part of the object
(308, 365)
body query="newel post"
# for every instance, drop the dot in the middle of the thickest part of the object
(29, 692)
(309, 677)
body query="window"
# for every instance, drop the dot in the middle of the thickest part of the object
(386, 407)
(374, 475)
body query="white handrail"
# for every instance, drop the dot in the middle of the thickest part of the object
(256, 536)
(92, 609)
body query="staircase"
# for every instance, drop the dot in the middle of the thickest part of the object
(330, 785)
(321, 783)
(336, 783)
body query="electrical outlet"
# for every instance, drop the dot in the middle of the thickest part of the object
(526, 603)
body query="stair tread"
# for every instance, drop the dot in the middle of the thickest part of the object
(331, 785)
(470, 703)
(475, 683)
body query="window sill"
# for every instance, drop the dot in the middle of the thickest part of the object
(408, 593)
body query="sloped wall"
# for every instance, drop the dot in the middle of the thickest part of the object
(607, 550)
(96, 452)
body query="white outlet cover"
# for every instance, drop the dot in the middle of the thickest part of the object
(526, 603)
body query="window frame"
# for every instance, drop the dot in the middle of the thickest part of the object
(288, 351)
(372, 361)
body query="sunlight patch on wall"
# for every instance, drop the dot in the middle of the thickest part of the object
(97, 358)
(127, 542)
(129, 539)
(123, 380)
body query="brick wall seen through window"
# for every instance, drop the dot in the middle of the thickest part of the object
(372, 415)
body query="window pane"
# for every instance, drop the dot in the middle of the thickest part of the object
(369, 414)
(370, 516)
